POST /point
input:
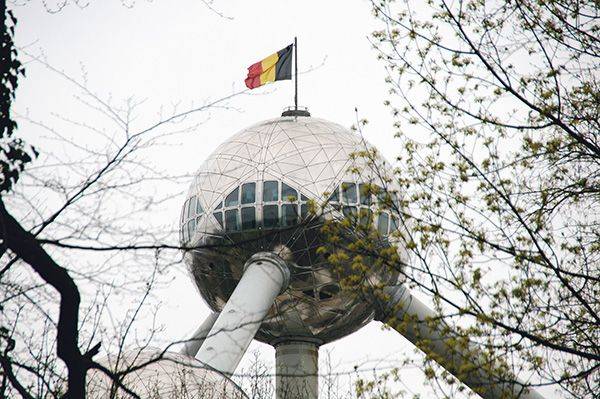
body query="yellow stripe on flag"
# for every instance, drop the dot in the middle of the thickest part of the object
(269, 68)
(269, 61)
(268, 75)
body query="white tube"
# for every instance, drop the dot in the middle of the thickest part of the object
(431, 339)
(192, 345)
(265, 276)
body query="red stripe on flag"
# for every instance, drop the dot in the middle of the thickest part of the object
(255, 69)
(252, 82)
(253, 79)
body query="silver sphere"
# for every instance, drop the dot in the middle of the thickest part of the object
(252, 194)
(161, 375)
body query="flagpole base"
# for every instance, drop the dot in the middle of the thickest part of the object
(295, 112)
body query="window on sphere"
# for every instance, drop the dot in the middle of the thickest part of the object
(365, 194)
(270, 191)
(192, 207)
(231, 220)
(335, 195)
(349, 211)
(248, 193)
(232, 199)
(382, 223)
(290, 214)
(288, 193)
(248, 218)
(349, 193)
(303, 211)
(219, 217)
(270, 215)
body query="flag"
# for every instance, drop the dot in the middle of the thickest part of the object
(277, 66)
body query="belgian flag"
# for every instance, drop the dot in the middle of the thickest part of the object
(277, 66)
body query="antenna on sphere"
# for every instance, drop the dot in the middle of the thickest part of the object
(296, 73)
(294, 111)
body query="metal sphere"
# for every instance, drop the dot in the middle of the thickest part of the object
(252, 194)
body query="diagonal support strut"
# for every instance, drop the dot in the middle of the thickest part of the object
(266, 275)
(431, 339)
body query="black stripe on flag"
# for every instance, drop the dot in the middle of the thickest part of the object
(283, 68)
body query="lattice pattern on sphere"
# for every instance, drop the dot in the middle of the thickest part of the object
(310, 153)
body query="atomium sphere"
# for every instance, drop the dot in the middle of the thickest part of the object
(253, 194)
(157, 375)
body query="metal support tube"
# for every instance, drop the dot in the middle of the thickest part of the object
(192, 345)
(297, 370)
(431, 339)
(265, 276)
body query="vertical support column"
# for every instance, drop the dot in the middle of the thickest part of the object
(297, 370)
(265, 276)
(192, 346)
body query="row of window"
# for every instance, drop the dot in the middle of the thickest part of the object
(286, 215)
(385, 223)
(362, 193)
(272, 191)
(283, 207)
(191, 209)
(275, 215)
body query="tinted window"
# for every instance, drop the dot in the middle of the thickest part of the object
(231, 220)
(303, 211)
(335, 195)
(186, 208)
(365, 194)
(219, 205)
(349, 193)
(382, 223)
(248, 218)
(199, 209)
(290, 214)
(395, 200)
(303, 197)
(219, 217)
(270, 191)
(288, 193)
(192, 207)
(248, 193)
(270, 216)
(191, 226)
(395, 224)
(366, 217)
(232, 198)
(349, 211)
(382, 196)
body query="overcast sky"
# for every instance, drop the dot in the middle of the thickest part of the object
(182, 53)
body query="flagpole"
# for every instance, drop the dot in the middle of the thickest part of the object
(296, 73)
